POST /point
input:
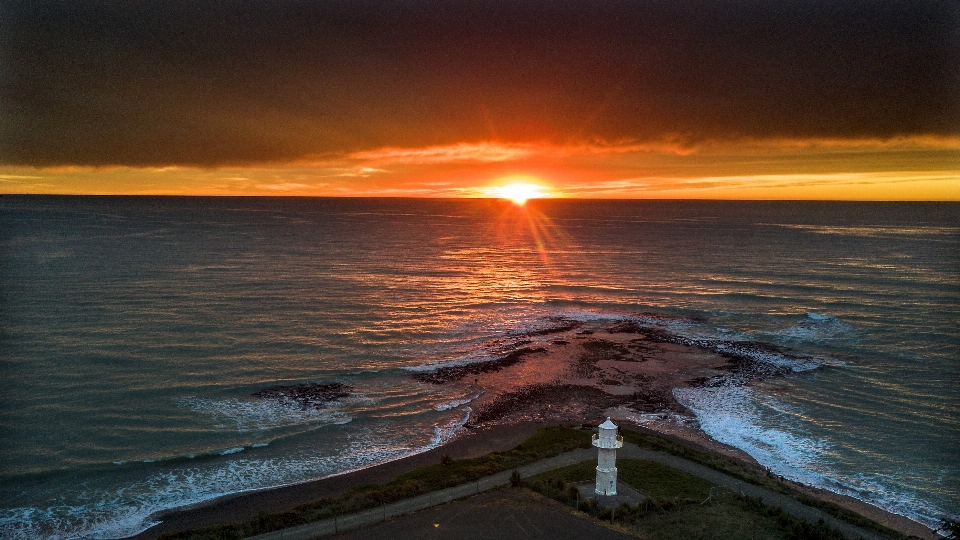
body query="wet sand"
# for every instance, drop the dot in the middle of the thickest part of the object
(580, 377)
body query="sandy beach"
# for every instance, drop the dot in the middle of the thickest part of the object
(624, 372)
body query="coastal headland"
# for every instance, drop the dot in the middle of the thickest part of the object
(568, 374)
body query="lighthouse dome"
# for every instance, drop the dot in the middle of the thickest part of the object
(607, 436)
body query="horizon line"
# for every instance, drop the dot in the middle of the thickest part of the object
(501, 199)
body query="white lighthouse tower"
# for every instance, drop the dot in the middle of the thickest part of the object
(607, 442)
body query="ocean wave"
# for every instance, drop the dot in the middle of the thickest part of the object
(732, 415)
(70, 522)
(444, 433)
(646, 318)
(737, 417)
(818, 329)
(542, 329)
(451, 362)
(876, 231)
(259, 415)
(763, 353)
(532, 334)
(588, 316)
(197, 457)
(883, 492)
(767, 359)
(757, 359)
(454, 403)
(129, 509)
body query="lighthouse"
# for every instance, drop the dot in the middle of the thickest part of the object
(607, 443)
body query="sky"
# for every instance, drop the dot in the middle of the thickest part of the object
(726, 99)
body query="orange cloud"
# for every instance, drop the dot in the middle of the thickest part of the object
(907, 167)
(479, 152)
(500, 152)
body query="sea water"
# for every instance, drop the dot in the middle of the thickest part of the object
(135, 331)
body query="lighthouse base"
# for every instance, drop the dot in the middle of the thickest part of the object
(625, 494)
(606, 481)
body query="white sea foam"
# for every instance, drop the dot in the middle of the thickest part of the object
(444, 433)
(580, 315)
(126, 510)
(71, 522)
(654, 419)
(454, 403)
(885, 493)
(450, 362)
(259, 415)
(817, 328)
(795, 364)
(533, 333)
(731, 415)
(719, 339)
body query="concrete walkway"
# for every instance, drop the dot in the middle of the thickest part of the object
(375, 515)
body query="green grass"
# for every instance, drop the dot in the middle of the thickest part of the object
(662, 482)
(652, 479)
(754, 475)
(717, 462)
(727, 516)
(680, 506)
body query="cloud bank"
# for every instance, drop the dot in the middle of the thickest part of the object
(212, 83)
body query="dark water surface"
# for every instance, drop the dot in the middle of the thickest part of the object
(135, 332)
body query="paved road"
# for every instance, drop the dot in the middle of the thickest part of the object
(631, 451)
(502, 514)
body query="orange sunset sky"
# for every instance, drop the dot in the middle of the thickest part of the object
(798, 99)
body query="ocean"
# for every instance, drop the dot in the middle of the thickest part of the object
(137, 333)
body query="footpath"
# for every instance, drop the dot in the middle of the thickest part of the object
(373, 516)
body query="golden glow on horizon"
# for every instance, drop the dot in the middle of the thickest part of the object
(847, 170)
(521, 192)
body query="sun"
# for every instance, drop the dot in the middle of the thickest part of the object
(520, 192)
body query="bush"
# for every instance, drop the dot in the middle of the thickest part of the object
(818, 531)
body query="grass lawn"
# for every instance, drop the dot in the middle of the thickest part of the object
(680, 506)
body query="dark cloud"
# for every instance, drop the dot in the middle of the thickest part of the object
(205, 82)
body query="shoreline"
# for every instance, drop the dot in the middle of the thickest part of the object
(577, 377)
(236, 507)
(473, 443)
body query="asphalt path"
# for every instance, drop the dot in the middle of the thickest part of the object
(502, 514)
